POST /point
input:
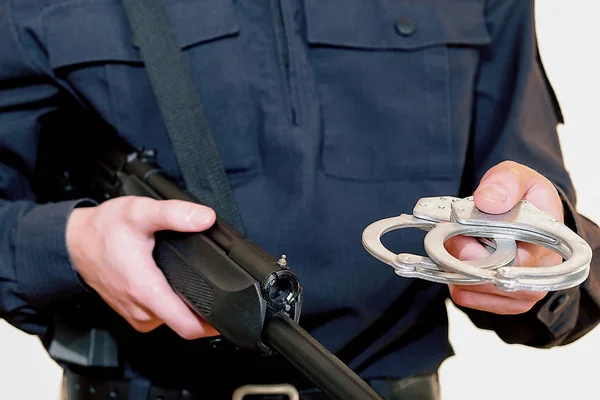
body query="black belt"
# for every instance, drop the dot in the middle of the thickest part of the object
(78, 387)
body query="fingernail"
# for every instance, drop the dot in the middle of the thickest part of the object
(199, 216)
(494, 194)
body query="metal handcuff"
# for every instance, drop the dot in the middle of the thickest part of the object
(445, 217)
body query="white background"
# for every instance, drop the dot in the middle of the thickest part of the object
(484, 367)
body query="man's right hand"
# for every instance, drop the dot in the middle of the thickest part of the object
(111, 246)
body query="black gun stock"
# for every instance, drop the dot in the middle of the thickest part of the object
(252, 298)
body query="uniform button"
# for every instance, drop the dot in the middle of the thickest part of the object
(220, 344)
(405, 26)
(558, 303)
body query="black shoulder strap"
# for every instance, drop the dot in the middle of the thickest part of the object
(180, 107)
(193, 143)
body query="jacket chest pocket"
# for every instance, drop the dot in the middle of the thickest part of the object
(384, 71)
(91, 49)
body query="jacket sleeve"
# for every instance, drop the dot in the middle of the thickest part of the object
(35, 269)
(515, 118)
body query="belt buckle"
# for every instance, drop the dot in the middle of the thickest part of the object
(282, 389)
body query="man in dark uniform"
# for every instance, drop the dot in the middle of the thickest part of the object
(329, 115)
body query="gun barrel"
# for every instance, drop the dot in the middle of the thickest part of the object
(327, 372)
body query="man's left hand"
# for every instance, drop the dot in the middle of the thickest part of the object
(500, 189)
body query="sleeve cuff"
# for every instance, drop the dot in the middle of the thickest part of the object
(44, 269)
(570, 214)
(559, 312)
(559, 309)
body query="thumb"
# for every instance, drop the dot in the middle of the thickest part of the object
(152, 215)
(505, 184)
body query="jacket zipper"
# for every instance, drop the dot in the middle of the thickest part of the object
(284, 58)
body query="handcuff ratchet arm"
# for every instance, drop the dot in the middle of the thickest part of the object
(416, 266)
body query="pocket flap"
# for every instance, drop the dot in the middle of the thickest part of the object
(403, 25)
(88, 31)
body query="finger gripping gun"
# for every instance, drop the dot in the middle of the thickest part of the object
(252, 298)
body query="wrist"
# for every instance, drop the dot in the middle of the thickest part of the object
(75, 235)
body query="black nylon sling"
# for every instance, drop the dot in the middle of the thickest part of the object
(194, 145)
(180, 107)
